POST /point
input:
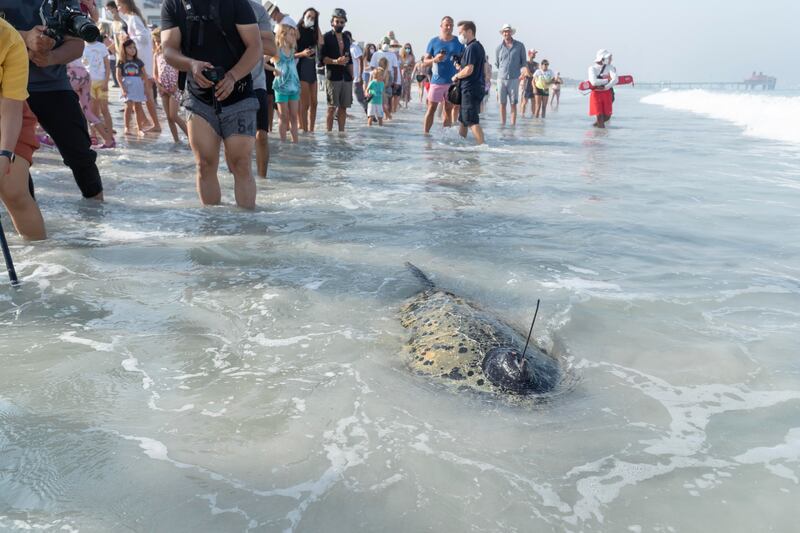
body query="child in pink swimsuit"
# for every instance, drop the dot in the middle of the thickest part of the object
(167, 80)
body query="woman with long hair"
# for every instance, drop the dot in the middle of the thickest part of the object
(140, 34)
(366, 73)
(308, 41)
(407, 64)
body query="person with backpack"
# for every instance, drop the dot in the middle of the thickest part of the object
(216, 44)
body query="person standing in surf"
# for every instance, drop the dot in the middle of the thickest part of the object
(509, 60)
(602, 77)
(471, 81)
(439, 56)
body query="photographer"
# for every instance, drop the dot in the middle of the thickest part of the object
(217, 47)
(17, 136)
(51, 98)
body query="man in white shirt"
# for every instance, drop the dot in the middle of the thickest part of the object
(602, 76)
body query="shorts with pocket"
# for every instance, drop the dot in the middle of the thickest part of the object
(234, 119)
(340, 93)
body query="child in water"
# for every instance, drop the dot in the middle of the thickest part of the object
(131, 75)
(375, 95)
(81, 83)
(287, 81)
(167, 80)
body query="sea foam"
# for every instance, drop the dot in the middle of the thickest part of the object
(761, 115)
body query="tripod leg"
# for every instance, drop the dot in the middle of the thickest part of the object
(12, 274)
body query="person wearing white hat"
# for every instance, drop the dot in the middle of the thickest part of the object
(509, 60)
(602, 76)
(277, 17)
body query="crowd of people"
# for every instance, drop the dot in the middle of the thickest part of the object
(231, 66)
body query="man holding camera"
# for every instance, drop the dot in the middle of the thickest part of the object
(217, 44)
(51, 98)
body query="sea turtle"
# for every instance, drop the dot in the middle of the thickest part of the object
(454, 339)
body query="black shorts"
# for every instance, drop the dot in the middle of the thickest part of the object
(270, 79)
(262, 115)
(397, 90)
(542, 92)
(469, 112)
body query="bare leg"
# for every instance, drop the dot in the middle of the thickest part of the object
(283, 125)
(477, 132)
(173, 113)
(544, 106)
(304, 105)
(450, 114)
(502, 115)
(205, 145)
(151, 106)
(329, 118)
(127, 116)
(342, 113)
(173, 127)
(21, 206)
(312, 106)
(513, 114)
(430, 114)
(239, 154)
(262, 153)
(293, 108)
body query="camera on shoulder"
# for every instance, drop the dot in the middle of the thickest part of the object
(64, 17)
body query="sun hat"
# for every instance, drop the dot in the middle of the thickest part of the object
(508, 27)
(270, 7)
(601, 55)
(394, 43)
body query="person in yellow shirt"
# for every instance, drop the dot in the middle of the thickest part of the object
(17, 136)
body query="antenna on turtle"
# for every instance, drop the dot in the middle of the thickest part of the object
(531, 331)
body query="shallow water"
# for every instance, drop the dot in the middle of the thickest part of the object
(167, 367)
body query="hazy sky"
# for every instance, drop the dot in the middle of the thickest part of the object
(681, 40)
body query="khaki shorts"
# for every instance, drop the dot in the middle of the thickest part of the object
(100, 90)
(340, 93)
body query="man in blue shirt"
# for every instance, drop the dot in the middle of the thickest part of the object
(439, 56)
(472, 81)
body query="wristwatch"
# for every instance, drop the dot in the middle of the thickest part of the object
(9, 154)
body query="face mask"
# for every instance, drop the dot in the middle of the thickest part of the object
(462, 39)
(308, 22)
(408, 50)
(337, 28)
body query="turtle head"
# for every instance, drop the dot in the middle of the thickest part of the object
(535, 373)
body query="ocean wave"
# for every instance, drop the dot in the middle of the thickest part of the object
(765, 116)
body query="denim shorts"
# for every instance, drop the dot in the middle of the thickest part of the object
(233, 119)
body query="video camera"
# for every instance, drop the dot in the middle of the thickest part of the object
(64, 17)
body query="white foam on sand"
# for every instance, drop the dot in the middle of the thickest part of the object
(765, 116)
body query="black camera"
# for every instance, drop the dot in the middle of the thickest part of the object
(64, 17)
(214, 75)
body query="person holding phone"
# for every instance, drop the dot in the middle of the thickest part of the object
(439, 56)
(309, 40)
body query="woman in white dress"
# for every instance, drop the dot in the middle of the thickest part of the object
(140, 34)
